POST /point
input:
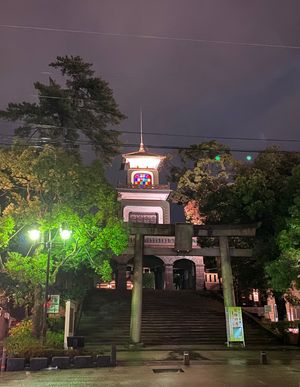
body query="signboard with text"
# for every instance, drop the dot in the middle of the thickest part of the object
(53, 304)
(268, 308)
(234, 325)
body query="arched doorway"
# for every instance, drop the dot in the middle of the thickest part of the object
(155, 267)
(184, 274)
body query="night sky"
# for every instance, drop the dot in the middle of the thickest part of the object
(159, 54)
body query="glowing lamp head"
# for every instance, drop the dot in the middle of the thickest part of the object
(218, 158)
(249, 158)
(34, 234)
(65, 234)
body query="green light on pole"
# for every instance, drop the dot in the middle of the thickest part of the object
(249, 158)
(218, 158)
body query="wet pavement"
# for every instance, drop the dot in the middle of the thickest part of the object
(206, 375)
(164, 368)
(206, 356)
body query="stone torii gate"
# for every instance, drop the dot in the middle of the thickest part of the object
(184, 232)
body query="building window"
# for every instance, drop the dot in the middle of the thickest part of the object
(142, 179)
(143, 217)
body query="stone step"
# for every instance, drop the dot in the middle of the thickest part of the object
(169, 317)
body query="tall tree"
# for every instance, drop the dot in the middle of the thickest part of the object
(205, 170)
(51, 189)
(83, 107)
(263, 191)
(286, 268)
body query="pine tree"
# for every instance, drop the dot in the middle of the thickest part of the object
(83, 109)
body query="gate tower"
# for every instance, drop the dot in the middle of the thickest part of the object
(144, 200)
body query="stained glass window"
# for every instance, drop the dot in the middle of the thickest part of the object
(142, 179)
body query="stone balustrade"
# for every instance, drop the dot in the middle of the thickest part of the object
(212, 281)
(159, 241)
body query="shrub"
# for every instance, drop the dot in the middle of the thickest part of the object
(55, 339)
(22, 329)
(282, 328)
(20, 342)
(56, 324)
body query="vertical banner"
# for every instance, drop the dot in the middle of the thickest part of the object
(234, 325)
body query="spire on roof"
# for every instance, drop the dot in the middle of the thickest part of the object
(142, 158)
(142, 148)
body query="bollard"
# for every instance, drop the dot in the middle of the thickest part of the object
(113, 356)
(263, 357)
(186, 358)
(3, 360)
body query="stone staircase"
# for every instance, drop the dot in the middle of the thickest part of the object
(169, 318)
(182, 317)
(105, 317)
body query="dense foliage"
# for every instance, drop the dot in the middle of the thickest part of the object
(83, 106)
(223, 190)
(50, 189)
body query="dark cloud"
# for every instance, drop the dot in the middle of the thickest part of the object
(184, 87)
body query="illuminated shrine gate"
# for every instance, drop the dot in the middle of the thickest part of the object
(144, 203)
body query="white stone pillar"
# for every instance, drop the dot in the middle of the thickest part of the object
(199, 272)
(70, 311)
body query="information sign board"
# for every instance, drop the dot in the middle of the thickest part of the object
(234, 325)
(53, 304)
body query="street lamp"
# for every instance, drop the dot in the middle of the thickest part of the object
(65, 234)
(35, 236)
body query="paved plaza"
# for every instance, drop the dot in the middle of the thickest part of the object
(215, 369)
(143, 376)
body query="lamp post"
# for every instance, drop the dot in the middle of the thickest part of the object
(35, 235)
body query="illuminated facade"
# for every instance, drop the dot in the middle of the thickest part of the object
(144, 200)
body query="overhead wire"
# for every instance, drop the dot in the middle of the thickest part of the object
(41, 143)
(54, 127)
(151, 37)
(160, 37)
(163, 38)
